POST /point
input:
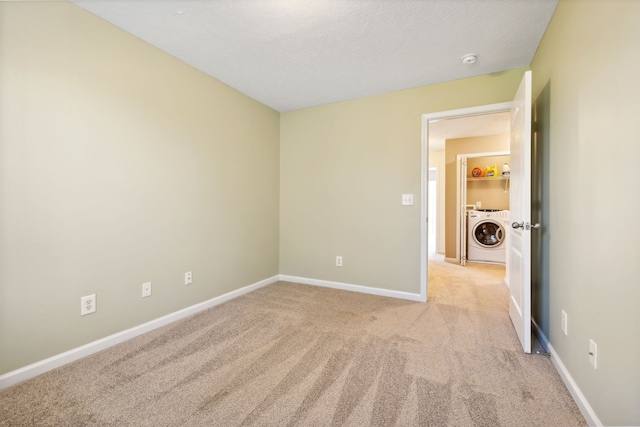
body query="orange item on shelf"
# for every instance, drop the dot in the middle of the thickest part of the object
(477, 173)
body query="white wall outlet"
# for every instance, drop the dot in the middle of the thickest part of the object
(88, 305)
(188, 278)
(146, 289)
(478, 205)
(407, 199)
(564, 322)
(593, 354)
(338, 261)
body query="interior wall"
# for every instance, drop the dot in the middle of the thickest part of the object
(436, 158)
(344, 168)
(588, 59)
(453, 148)
(120, 165)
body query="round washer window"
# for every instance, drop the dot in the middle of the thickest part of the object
(488, 234)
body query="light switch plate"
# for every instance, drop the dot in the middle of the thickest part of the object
(407, 200)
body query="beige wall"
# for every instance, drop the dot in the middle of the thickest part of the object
(120, 165)
(344, 167)
(453, 148)
(589, 58)
(492, 193)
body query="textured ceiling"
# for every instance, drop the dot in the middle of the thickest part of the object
(291, 54)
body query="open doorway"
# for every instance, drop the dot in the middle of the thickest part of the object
(518, 262)
(469, 137)
(439, 130)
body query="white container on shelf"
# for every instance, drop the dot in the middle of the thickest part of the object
(506, 171)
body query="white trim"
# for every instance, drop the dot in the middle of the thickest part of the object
(461, 194)
(587, 411)
(468, 112)
(424, 211)
(424, 167)
(61, 359)
(435, 168)
(353, 288)
(486, 154)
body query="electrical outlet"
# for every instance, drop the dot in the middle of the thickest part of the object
(338, 261)
(593, 354)
(188, 278)
(87, 305)
(564, 322)
(146, 289)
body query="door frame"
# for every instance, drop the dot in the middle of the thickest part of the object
(436, 196)
(424, 184)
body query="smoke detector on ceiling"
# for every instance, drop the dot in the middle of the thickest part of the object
(469, 59)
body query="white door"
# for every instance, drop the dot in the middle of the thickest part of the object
(519, 265)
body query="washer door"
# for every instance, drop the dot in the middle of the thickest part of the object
(488, 234)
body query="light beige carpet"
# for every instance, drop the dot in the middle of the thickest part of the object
(297, 355)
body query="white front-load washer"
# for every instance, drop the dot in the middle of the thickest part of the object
(487, 233)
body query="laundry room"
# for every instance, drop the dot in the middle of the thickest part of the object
(488, 153)
(487, 209)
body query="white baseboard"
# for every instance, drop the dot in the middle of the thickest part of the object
(56, 361)
(587, 411)
(452, 260)
(72, 355)
(354, 288)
